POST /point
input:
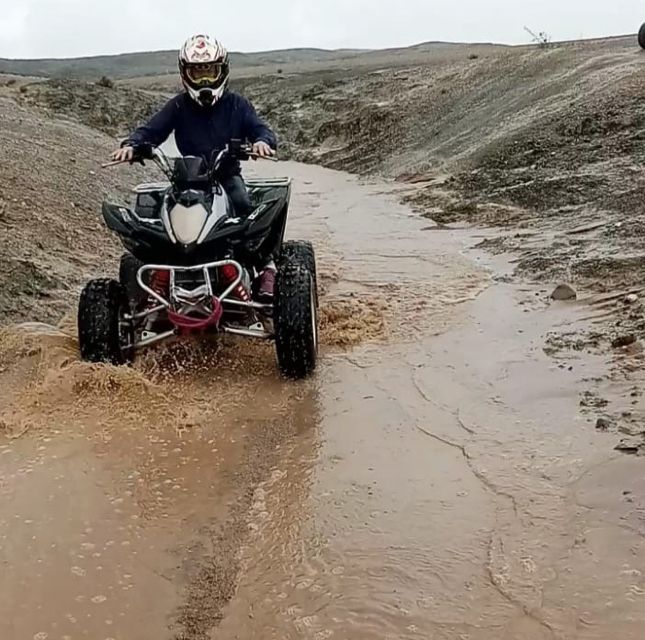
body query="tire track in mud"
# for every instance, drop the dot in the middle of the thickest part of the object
(496, 580)
(215, 582)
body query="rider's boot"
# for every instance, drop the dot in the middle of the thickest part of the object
(266, 283)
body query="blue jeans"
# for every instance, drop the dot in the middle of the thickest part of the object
(235, 188)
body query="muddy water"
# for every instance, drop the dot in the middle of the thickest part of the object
(445, 501)
(435, 481)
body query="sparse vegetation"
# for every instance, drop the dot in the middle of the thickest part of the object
(106, 83)
(542, 39)
(114, 113)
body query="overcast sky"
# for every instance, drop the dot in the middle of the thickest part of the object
(62, 28)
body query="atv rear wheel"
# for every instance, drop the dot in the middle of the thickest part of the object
(641, 37)
(302, 250)
(104, 334)
(295, 317)
(128, 270)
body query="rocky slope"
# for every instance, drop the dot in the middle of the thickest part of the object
(544, 140)
(102, 106)
(51, 188)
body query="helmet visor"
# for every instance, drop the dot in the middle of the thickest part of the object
(205, 74)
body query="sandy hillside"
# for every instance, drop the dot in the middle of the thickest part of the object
(51, 188)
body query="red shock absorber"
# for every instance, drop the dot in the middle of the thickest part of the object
(160, 282)
(229, 275)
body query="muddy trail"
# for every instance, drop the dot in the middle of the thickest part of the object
(436, 478)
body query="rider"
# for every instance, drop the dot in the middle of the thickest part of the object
(205, 117)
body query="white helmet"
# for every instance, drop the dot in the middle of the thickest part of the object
(204, 69)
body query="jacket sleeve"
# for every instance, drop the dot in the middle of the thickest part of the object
(255, 129)
(157, 129)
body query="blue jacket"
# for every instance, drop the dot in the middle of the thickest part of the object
(202, 131)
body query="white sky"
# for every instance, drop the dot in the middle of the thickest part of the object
(61, 28)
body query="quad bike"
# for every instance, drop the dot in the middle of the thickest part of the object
(641, 37)
(191, 265)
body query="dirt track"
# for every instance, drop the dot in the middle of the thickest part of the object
(442, 475)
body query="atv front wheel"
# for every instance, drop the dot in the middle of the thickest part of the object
(641, 37)
(104, 333)
(128, 271)
(302, 250)
(295, 317)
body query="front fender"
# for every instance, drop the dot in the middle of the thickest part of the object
(118, 218)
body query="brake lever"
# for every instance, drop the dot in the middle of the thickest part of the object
(115, 163)
(257, 156)
(247, 150)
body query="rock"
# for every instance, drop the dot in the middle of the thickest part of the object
(632, 298)
(632, 431)
(564, 292)
(623, 341)
(630, 447)
(635, 349)
(603, 424)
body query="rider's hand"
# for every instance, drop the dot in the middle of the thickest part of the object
(124, 154)
(263, 150)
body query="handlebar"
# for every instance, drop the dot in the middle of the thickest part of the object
(241, 152)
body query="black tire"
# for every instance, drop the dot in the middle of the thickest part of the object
(128, 270)
(295, 318)
(641, 37)
(302, 250)
(103, 334)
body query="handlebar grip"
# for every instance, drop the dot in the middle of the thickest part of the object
(142, 152)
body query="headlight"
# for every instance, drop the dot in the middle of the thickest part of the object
(187, 222)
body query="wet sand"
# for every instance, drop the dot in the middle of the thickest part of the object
(436, 480)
